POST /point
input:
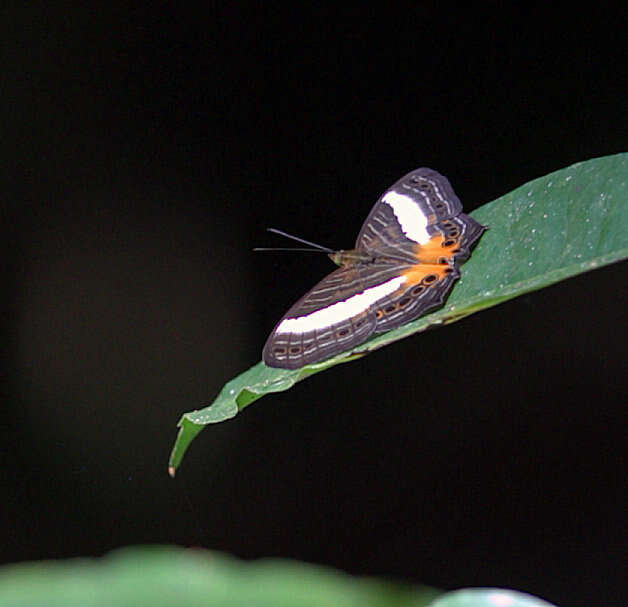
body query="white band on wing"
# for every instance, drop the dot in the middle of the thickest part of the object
(342, 310)
(411, 218)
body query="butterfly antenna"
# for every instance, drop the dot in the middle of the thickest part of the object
(299, 249)
(315, 246)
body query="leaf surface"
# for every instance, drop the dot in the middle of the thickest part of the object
(569, 222)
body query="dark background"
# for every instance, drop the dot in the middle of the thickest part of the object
(147, 149)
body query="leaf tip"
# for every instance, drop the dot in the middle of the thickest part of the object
(172, 471)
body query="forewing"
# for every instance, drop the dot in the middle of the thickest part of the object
(327, 320)
(408, 211)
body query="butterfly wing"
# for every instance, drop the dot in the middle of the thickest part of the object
(327, 320)
(419, 219)
(426, 287)
(412, 212)
(345, 308)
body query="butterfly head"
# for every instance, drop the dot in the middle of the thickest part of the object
(350, 258)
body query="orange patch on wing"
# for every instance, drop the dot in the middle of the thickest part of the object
(423, 272)
(433, 250)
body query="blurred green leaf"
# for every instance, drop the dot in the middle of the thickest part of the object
(566, 223)
(161, 576)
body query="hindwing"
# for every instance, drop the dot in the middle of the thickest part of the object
(328, 319)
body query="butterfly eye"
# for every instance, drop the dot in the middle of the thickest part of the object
(343, 332)
(404, 301)
(417, 290)
(360, 322)
(295, 349)
(429, 279)
(448, 243)
(390, 308)
(279, 350)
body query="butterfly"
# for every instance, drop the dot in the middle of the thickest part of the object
(405, 261)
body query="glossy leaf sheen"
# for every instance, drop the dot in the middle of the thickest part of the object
(488, 597)
(566, 223)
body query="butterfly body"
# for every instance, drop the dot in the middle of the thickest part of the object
(404, 263)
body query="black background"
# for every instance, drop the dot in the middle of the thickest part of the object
(146, 151)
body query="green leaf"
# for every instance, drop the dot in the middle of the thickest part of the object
(165, 576)
(162, 576)
(557, 226)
